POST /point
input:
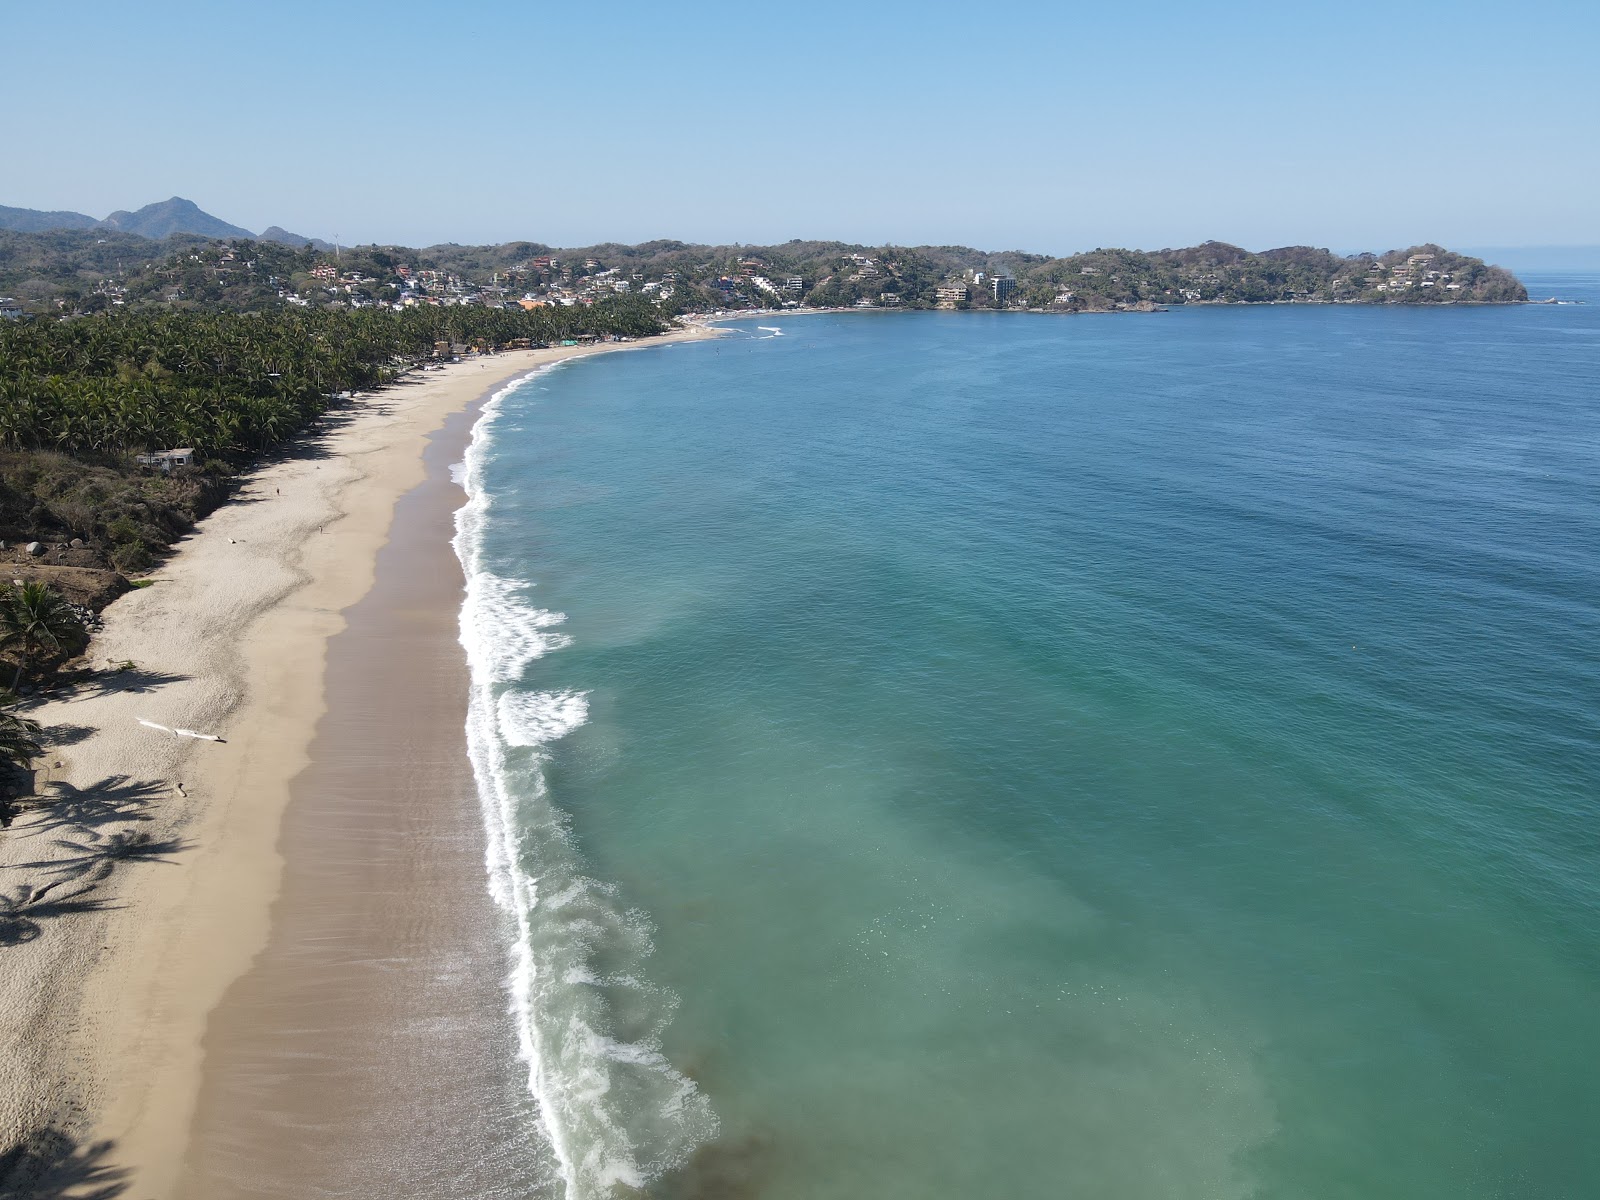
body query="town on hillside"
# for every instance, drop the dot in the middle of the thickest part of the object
(68, 272)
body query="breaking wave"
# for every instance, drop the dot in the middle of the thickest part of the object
(614, 1110)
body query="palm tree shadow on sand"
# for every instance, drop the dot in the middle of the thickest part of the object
(49, 1165)
(53, 737)
(88, 682)
(115, 798)
(22, 911)
(78, 817)
(91, 850)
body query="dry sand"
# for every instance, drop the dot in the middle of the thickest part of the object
(112, 974)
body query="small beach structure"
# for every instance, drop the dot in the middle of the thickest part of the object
(167, 461)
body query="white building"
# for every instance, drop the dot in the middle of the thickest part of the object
(167, 461)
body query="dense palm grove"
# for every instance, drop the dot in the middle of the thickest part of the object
(230, 384)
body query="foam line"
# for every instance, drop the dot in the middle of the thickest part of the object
(614, 1112)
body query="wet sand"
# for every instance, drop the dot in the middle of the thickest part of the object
(368, 1051)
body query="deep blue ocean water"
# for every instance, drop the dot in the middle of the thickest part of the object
(952, 755)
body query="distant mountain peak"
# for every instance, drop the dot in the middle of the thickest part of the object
(167, 217)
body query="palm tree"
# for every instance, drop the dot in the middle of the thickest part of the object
(19, 737)
(36, 623)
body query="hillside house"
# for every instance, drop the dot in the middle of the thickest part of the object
(167, 461)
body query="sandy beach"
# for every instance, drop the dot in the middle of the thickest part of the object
(158, 884)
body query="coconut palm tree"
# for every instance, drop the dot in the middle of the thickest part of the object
(19, 737)
(36, 623)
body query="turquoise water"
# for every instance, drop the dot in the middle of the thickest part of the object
(1009, 755)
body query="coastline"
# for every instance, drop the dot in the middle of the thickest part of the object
(110, 986)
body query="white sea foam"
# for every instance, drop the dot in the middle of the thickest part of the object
(534, 718)
(614, 1109)
(522, 633)
(458, 474)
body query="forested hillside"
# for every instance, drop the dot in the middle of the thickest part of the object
(70, 271)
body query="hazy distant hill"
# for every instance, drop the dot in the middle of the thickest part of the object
(176, 215)
(283, 237)
(33, 220)
(155, 221)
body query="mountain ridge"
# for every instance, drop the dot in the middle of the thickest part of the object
(38, 220)
(155, 221)
(277, 233)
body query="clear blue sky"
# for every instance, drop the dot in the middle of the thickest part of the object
(1046, 127)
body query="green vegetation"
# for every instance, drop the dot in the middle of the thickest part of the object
(121, 514)
(1098, 281)
(231, 385)
(19, 736)
(20, 744)
(834, 274)
(38, 627)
